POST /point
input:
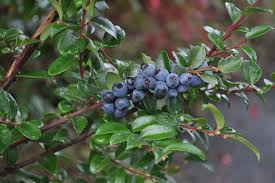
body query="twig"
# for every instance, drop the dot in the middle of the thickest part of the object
(207, 132)
(236, 46)
(55, 123)
(82, 30)
(23, 57)
(7, 122)
(232, 27)
(246, 89)
(201, 70)
(17, 166)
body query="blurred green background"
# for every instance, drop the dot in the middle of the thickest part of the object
(153, 25)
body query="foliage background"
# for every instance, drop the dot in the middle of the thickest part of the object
(153, 25)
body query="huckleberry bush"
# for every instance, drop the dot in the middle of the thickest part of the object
(134, 117)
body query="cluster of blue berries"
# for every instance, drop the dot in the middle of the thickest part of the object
(158, 82)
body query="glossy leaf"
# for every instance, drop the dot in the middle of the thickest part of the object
(56, 5)
(234, 12)
(5, 134)
(258, 31)
(251, 72)
(80, 123)
(61, 64)
(184, 147)
(250, 52)
(196, 56)
(166, 60)
(245, 142)
(29, 130)
(35, 75)
(158, 132)
(98, 163)
(119, 137)
(142, 122)
(105, 25)
(251, 10)
(112, 78)
(218, 116)
(230, 64)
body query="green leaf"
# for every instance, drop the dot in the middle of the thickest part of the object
(2, 72)
(158, 132)
(166, 60)
(273, 76)
(166, 119)
(184, 147)
(5, 134)
(80, 123)
(230, 64)
(64, 106)
(105, 25)
(52, 30)
(112, 78)
(49, 162)
(216, 37)
(120, 176)
(142, 122)
(112, 127)
(29, 130)
(196, 56)
(218, 116)
(91, 7)
(8, 106)
(10, 156)
(119, 137)
(234, 12)
(251, 72)
(61, 64)
(209, 78)
(250, 52)
(101, 5)
(58, 8)
(246, 143)
(98, 163)
(134, 141)
(258, 31)
(35, 75)
(251, 10)
(146, 59)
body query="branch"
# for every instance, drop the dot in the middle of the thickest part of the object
(82, 30)
(17, 166)
(56, 123)
(207, 132)
(23, 57)
(246, 89)
(232, 27)
(201, 70)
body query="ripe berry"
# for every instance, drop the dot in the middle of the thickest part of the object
(196, 81)
(108, 96)
(149, 83)
(120, 89)
(182, 88)
(161, 74)
(172, 93)
(108, 108)
(137, 95)
(138, 82)
(122, 103)
(185, 79)
(161, 89)
(118, 114)
(130, 83)
(172, 80)
(147, 70)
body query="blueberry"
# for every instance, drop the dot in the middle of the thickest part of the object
(130, 83)
(147, 70)
(108, 108)
(118, 114)
(172, 80)
(122, 103)
(185, 79)
(120, 89)
(172, 93)
(137, 95)
(161, 89)
(138, 82)
(161, 74)
(196, 81)
(182, 88)
(149, 83)
(108, 96)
